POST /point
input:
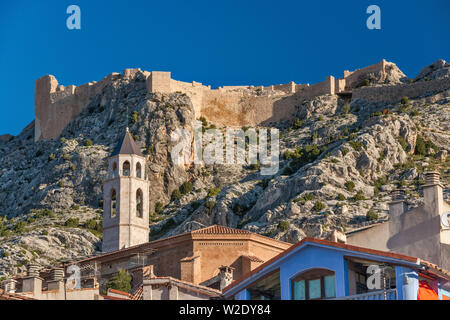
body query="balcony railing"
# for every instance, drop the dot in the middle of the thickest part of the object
(390, 294)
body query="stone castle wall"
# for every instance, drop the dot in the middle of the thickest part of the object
(56, 105)
(234, 106)
(394, 93)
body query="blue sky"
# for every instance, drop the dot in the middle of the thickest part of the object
(215, 42)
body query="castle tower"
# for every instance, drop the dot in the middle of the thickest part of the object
(125, 198)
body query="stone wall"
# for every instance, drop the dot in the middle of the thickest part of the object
(394, 93)
(56, 105)
(234, 106)
(352, 78)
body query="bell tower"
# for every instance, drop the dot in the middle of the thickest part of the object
(125, 198)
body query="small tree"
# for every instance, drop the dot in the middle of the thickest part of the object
(371, 215)
(121, 281)
(176, 194)
(420, 146)
(283, 225)
(186, 187)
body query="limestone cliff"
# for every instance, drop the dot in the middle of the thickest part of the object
(340, 159)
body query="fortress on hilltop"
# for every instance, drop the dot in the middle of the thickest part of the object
(56, 105)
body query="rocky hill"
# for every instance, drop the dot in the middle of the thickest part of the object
(339, 161)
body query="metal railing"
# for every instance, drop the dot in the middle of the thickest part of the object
(390, 294)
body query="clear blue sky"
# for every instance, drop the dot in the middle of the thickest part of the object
(228, 42)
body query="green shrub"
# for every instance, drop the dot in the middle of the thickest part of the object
(404, 101)
(403, 143)
(93, 224)
(51, 157)
(19, 226)
(186, 187)
(204, 122)
(350, 185)
(318, 206)
(346, 108)
(344, 151)
(72, 222)
(359, 196)
(158, 207)
(298, 123)
(283, 225)
(213, 192)
(371, 215)
(134, 117)
(88, 143)
(415, 113)
(176, 194)
(209, 205)
(420, 146)
(356, 144)
(195, 205)
(121, 281)
(341, 197)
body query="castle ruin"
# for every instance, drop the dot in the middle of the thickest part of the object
(234, 106)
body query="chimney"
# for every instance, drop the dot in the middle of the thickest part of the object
(32, 283)
(57, 280)
(398, 205)
(225, 276)
(433, 197)
(337, 236)
(9, 285)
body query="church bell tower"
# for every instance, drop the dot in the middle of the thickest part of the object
(125, 198)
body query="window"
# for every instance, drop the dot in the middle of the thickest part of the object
(138, 170)
(114, 169)
(266, 288)
(314, 284)
(139, 203)
(113, 203)
(126, 169)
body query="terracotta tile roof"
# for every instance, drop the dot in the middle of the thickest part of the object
(12, 296)
(211, 230)
(126, 294)
(138, 294)
(112, 298)
(215, 229)
(336, 245)
(253, 258)
(436, 268)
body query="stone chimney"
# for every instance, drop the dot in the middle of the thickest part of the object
(433, 197)
(398, 204)
(225, 276)
(9, 285)
(337, 236)
(57, 280)
(32, 283)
